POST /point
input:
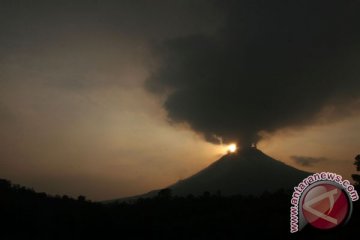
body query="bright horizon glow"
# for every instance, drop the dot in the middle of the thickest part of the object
(232, 147)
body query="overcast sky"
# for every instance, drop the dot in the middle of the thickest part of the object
(114, 98)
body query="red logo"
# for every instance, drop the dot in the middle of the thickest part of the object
(325, 206)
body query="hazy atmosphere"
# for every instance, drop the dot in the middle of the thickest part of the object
(115, 98)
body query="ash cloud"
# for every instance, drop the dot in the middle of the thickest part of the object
(307, 161)
(272, 65)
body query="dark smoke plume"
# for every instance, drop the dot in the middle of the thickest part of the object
(272, 65)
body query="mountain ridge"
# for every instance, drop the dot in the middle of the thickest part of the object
(246, 172)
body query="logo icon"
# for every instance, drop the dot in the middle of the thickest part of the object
(326, 206)
(322, 201)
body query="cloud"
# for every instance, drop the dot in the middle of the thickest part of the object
(272, 65)
(307, 161)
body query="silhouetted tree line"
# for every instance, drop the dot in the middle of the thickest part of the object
(356, 177)
(26, 214)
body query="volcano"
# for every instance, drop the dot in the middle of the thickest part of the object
(246, 172)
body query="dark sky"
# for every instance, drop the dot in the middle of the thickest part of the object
(114, 98)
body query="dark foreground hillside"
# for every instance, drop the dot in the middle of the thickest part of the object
(29, 215)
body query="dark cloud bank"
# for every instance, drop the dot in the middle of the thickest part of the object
(273, 64)
(307, 161)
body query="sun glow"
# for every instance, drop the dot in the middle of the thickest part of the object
(232, 148)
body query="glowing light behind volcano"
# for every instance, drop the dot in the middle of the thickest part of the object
(232, 148)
